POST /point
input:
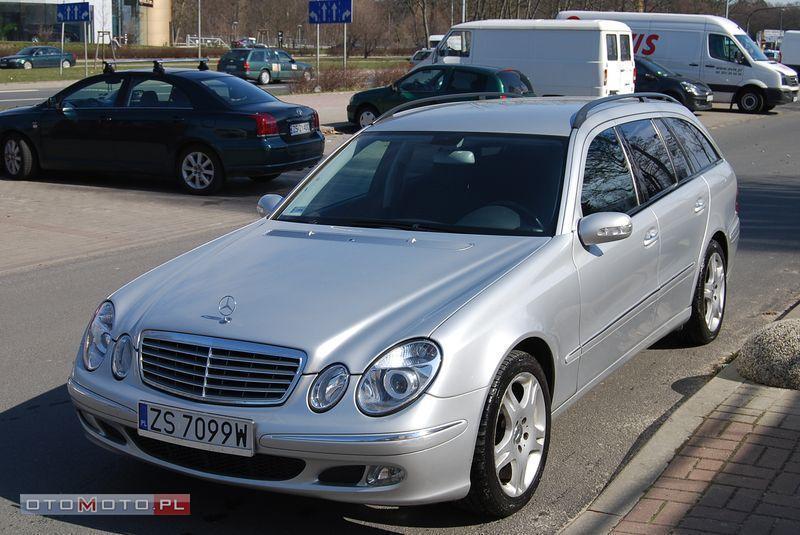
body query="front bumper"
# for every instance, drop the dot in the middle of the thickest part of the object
(699, 102)
(351, 113)
(271, 155)
(776, 96)
(435, 451)
(12, 65)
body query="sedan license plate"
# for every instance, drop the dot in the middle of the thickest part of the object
(230, 67)
(299, 128)
(197, 429)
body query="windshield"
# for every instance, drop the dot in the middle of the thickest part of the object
(235, 91)
(655, 68)
(27, 51)
(470, 183)
(752, 48)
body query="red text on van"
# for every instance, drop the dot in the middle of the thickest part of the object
(647, 43)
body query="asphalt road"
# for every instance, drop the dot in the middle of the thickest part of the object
(43, 310)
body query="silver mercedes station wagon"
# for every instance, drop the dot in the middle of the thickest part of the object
(403, 327)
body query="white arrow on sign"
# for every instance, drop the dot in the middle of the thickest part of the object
(324, 12)
(346, 15)
(312, 16)
(333, 9)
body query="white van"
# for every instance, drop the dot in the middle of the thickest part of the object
(711, 49)
(790, 50)
(589, 58)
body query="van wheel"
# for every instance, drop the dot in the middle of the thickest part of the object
(264, 78)
(19, 161)
(200, 171)
(710, 295)
(750, 101)
(513, 438)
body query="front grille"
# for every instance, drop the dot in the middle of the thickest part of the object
(259, 467)
(217, 370)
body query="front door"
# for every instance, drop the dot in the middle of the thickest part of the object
(617, 279)
(723, 66)
(288, 66)
(76, 133)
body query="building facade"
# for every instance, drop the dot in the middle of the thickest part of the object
(142, 22)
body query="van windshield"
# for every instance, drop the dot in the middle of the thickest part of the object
(469, 183)
(752, 48)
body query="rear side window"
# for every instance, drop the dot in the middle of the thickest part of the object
(258, 55)
(699, 149)
(611, 47)
(514, 82)
(625, 47)
(679, 160)
(467, 82)
(237, 54)
(652, 166)
(607, 180)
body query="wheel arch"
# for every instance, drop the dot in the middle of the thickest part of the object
(720, 237)
(541, 351)
(760, 87)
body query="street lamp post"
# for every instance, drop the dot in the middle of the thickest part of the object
(199, 30)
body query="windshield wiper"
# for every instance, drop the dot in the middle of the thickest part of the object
(391, 223)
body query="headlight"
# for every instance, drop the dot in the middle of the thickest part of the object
(122, 356)
(98, 336)
(398, 377)
(328, 388)
(691, 88)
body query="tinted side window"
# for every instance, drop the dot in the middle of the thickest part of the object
(514, 82)
(625, 47)
(607, 180)
(723, 47)
(611, 47)
(423, 81)
(652, 165)
(467, 82)
(258, 55)
(701, 152)
(679, 160)
(157, 94)
(100, 94)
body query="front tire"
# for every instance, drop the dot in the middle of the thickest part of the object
(66, 64)
(27, 65)
(710, 296)
(19, 161)
(307, 76)
(366, 116)
(513, 438)
(200, 171)
(264, 78)
(751, 101)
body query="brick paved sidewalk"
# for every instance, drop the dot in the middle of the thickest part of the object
(739, 472)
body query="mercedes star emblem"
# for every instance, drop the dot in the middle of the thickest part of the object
(226, 307)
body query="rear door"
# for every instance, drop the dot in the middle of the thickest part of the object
(153, 120)
(468, 81)
(626, 65)
(611, 69)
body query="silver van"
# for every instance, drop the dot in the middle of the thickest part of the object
(402, 328)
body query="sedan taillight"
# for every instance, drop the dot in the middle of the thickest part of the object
(315, 121)
(266, 125)
(247, 65)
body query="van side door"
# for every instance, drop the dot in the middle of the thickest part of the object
(612, 79)
(723, 66)
(617, 279)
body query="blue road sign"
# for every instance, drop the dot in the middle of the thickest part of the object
(75, 12)
(330, 11)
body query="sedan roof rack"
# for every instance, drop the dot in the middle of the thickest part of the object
(583, 113)
(454, 97)
(110, 67)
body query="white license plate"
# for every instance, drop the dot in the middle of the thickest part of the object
(794, 98)
(197, 429)
(230, 67)
(299, 128)
(710, 98)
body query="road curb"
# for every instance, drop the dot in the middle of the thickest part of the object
(625, 490)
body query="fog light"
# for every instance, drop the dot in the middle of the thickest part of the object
(380, 476)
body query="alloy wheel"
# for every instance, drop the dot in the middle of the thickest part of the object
(366, 118)
(520, 434)
(12, 155)
(197, 170)
(714, 291)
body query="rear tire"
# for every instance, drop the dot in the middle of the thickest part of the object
(200, 171)
(264, 77)
(307, 76)
(513, 439)
(710, 297)
(750, 100)
(19, 161)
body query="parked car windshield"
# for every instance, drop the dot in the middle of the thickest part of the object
(752, 48)
(656, 68)
(235, 91)
(472, 183)
(27, 51)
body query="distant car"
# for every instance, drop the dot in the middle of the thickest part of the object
(198, 125)
(264, 65)
(772, 55)
(653, 77)
(37, 56)
(420, 56)
(431, 81)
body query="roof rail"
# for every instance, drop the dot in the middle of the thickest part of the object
(455, 97)
(109, 67)
(583, 113)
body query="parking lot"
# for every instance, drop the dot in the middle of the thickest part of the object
(69, 239)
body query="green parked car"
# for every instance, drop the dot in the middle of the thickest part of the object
(38, 56)
(263, 65)
(431, 81)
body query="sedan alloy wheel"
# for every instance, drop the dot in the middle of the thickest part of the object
(12, 156)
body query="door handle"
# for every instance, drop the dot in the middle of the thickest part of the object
(650, 237)
(699, 205)
(710, 66)
(694, 65)
(178, 120)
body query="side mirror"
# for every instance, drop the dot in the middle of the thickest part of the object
(604, 227)
(293, 60)
(268, 203)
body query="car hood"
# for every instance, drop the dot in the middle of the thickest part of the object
(371, 94)
(783, 69)
(339, 294)
(15, 56)
(16, 111)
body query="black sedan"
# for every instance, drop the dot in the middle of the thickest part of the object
(197, 125)
(38, 56)
(654, 77)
